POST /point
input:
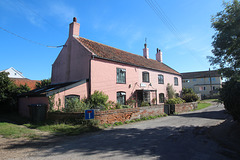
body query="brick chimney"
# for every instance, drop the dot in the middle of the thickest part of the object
(159, 55)
(145, 51)
(74, 28)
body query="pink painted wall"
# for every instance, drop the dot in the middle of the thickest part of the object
(103, 78)
(72, 63)
(23, 103)
(80, 90)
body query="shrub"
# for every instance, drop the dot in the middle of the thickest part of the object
(144, 103)
(131, 102)
(170, 91)
(187, 90)
(230, 94)
(98, 100)
(175, 101)
(75, 105)
(190, 97)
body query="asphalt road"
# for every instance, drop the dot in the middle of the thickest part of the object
(180, 137)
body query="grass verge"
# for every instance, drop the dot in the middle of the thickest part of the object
(203, 105)
(65, 128)
(9, 130)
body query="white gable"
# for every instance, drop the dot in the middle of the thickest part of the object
(13, 73)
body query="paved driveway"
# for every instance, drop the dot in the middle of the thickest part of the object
(184, 136)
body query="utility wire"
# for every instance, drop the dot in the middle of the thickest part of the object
(163, 17)
(159, 12)
(29, 39)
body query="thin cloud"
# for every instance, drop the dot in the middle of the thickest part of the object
(62, 11)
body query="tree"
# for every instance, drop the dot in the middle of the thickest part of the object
(226, 43)
(43, 83)
(9, 92)
(226, 40)
(170, 91)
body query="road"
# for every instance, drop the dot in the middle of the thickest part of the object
(183, 136)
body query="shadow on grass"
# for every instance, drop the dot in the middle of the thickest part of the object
(60, 127)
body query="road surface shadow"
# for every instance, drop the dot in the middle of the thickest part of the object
(219, 115)
(161, 142)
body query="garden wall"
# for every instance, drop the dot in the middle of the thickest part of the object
(185, 107)
(122, 115)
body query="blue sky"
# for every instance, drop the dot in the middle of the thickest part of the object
(184, 37)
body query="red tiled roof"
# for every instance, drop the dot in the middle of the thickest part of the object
(23, 81)
(111, 53)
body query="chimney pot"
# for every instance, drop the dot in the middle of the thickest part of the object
(159, 55)
(74, 28)
(74, 19)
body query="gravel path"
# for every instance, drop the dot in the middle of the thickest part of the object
(184, 136)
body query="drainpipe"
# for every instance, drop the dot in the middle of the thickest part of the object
(89, 79)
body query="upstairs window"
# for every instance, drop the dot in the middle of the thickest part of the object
(145, 76)
(175, 81)
(160, 79)
(121, 98)
(121, 76)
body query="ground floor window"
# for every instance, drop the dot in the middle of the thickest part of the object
(121, 98)
(71, 99)
(161, 98)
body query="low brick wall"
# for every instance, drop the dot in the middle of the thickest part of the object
(122, 115)
(185, 107)
(151, 110)
(64, 116)
(118, 115)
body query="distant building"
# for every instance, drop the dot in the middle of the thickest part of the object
(18, 78)
(203, 82)
(13, 73)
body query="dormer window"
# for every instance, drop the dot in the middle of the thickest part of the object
(145, 77)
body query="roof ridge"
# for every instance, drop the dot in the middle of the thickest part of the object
(123, 56)
(123, 51)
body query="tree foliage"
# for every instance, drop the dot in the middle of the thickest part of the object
(230, 94)
(9, 92)
(226, 43)
(170, 91)
(43, 83)
(226, 40)
(188, 95)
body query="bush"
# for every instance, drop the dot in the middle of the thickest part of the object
(98, 100)
(144, 103)
(230, 94)
(131, 102)
(175, 101)
(75, 105)
(190, 97)
(187, 90)
(170, 91)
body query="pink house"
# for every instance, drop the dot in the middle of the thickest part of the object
(84, 66)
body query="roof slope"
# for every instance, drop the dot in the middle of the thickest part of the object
(114, 54)
(22, 81)
(201, 74)
(44, 90)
